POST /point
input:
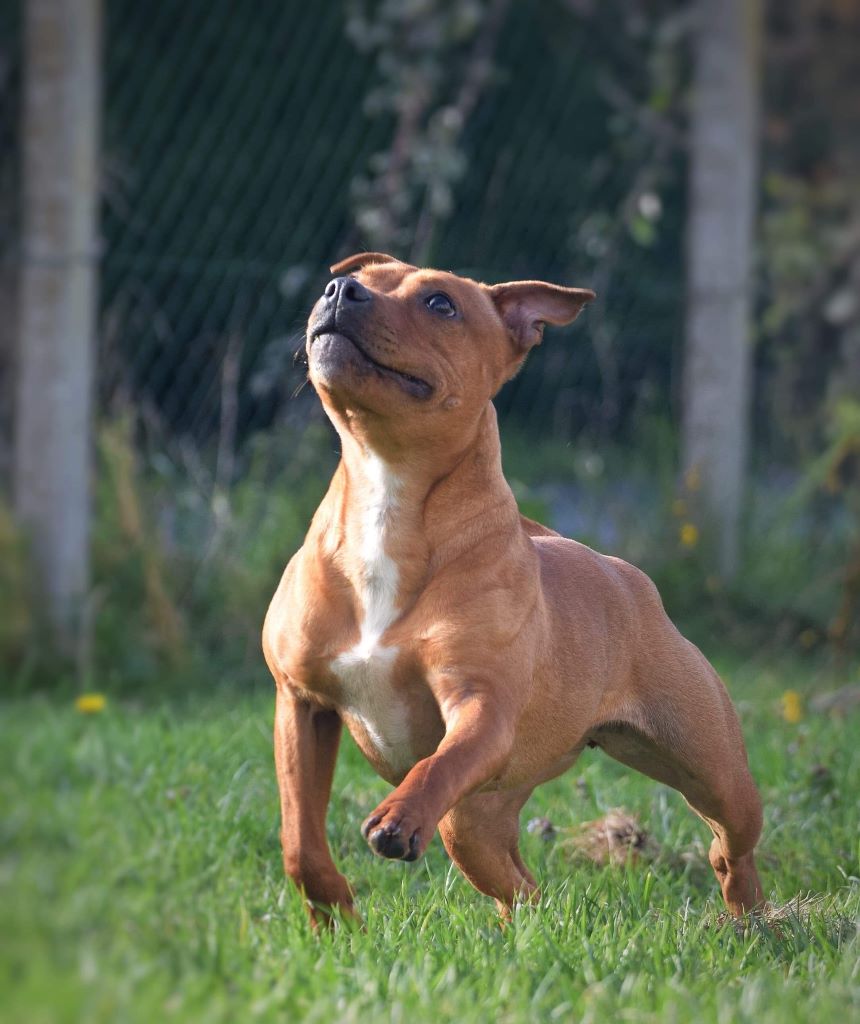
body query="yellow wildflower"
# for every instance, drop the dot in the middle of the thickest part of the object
(792, 707)
(693, 478)
(679, 508)
(689, 535)
(90, 703)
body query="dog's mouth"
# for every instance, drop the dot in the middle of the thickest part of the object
(413, 385)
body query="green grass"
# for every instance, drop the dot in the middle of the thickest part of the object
(140, 881)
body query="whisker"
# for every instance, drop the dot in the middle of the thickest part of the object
(298, 390)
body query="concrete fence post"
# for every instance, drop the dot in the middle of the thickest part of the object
(57, 302)
(723, 186)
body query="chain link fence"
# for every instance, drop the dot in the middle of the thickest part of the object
(243, 150)
(246, 148)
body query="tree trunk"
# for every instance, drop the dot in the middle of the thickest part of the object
(56, 316)
(722, 202)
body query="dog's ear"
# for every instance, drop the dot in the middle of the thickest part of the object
(527, 306)
(362, 259)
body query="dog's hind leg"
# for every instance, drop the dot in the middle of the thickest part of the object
(481, 835)
(684, 732)
(680, 727)
(729, 804)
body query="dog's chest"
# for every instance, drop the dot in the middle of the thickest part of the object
(365, 670)
(373, 710)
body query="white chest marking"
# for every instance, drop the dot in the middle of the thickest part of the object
(365, 669)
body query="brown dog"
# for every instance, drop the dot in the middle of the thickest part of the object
(471, 652)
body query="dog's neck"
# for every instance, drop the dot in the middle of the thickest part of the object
(388, 524)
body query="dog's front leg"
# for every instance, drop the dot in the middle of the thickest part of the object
(306, 742)
(478, 738)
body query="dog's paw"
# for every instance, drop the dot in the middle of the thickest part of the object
(332, 916)
(391, 831)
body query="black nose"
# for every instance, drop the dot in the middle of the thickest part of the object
(342, 291)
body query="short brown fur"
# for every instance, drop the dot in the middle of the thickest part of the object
(472, 652)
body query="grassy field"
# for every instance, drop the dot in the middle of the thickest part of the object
(140, 881)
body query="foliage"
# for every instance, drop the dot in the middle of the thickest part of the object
(246, 149)
(797, 590)
(140, 879)
(809, 325)
(836, 473)
(810, 308)
(184, 568)
(434, 58)
(182, 572)
(18, 626)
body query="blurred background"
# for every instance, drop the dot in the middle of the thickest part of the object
(175, 180)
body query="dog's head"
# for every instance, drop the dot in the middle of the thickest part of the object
(415, 353)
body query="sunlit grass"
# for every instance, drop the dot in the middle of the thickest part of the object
(140, 880)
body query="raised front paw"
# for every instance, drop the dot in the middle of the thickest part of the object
(393, 830)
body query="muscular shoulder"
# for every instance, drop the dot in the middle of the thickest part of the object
(567, 562)
(278, 612)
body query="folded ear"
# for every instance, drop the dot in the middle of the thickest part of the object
(362, 259)
(526, 306)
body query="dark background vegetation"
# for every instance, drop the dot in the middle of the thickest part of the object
(245, 147)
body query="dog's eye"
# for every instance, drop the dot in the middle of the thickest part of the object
(441, 304)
